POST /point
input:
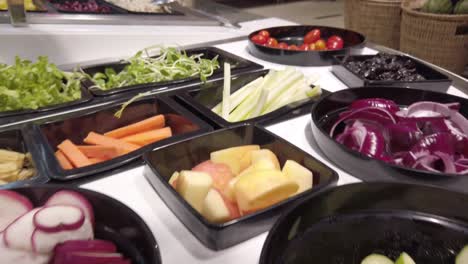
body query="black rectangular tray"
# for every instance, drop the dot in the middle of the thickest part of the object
(85, 97)
(206, 96)
(238, 64)
(435, 81)
(162, 162)
(166, 12)
(113, 9)
(19, 140)
(77, 125)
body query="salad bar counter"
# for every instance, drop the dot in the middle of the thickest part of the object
(192, 155)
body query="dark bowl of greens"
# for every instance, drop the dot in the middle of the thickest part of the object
(165, 72)
(33, 87)
(344, 225)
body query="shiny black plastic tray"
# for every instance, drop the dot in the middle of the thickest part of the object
(435, 81)
(163, 162)
(18, 140)
(203, 98)
(237, 63)
(76, 127)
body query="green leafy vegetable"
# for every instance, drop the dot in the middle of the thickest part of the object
(119, 113)
(31, 85)
(170, 65)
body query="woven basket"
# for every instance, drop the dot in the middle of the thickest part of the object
(378, 20)
(437, 38)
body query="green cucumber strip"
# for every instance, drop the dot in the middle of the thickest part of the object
(462, 257)
(376, 259)
(404, 258)
(238, 96)
(261, 102)
(226, 107)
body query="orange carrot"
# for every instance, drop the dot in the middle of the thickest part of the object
(73, 154)
(142, 126)
(99, 152)
(98, 139)
(96, 160)
(148, 137)
(64, 162)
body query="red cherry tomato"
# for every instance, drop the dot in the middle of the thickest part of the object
(264, 33)
(272, 42)
(312, 36)
(304, 47)
(259, 39)
(282, 45)
(312, 46)
(293, 47)
(320, 45)
(334, 43)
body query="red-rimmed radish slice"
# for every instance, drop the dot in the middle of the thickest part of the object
(72, 198)
(45, 242)
(86, 246)
(13, 205)
(88, 258)
(58, 218)
(9, 255)
(18, 234)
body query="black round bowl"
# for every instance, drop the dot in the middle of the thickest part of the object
(326, 110)
(345, 224)
(353, 43)
(114, 221)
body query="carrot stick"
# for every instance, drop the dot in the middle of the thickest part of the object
(74, 155)
(96, 160)
(64, 162)
(148, 137)
(98, 139)
(99, 152)
(142, 126)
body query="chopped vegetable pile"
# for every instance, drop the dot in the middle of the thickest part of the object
(15, 166)
(28, 5)
(264, 94)
(112, 144)
(170, 65)
(31, 85)
(89, 6)
(140, 6)
(427, 135)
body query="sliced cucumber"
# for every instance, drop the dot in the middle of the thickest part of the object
(462, 257)
(377, 259)
(404, 258)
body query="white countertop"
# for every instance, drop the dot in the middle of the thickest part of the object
(176, 243)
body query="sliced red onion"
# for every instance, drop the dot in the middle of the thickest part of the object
(385, 104)
(443, 142)
(428, 109)
(426, 163)
(454, 106)
(449, 166)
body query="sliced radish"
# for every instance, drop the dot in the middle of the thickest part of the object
(9, 255)
(88, 258)
(18, 234)
(86, 246)
(58, 218)
(13, 205)
(45, 242)
(72, 198)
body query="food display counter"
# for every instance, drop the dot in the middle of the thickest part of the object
(128, 184)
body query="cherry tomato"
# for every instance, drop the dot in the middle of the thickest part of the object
(304, 47)
(282, 45)
(320, 45)
(334, 43)
(259, 39)
(293, 47)
(312, 46)
(312, 36)
(264, 33)
(272, 42)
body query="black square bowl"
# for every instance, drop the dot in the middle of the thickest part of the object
(353, 44)
(112, 9)
(19, 140)
(186, 154)
(325, 113)
(237, 63)
(435, 81)
(203, 98)
(114, 222)
(77, 127)
(26, 113)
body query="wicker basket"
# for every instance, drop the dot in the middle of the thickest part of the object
(378, 20)
(437, 38)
